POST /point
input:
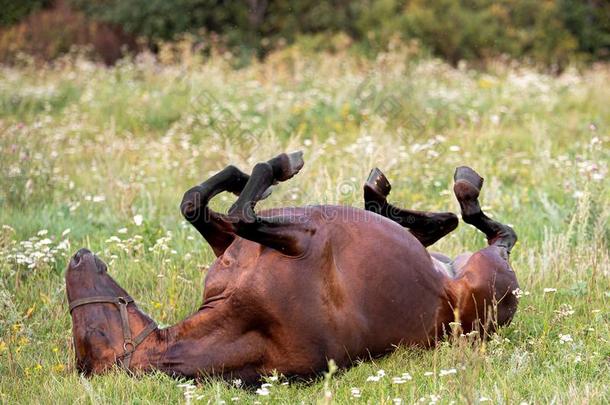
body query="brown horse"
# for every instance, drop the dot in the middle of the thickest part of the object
(292, 288)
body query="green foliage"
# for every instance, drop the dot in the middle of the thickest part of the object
(13, 11)
(160, 19)
(552, 32)
(589, 23)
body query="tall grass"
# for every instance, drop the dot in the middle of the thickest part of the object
(85, 149)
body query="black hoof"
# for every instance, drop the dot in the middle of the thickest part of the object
(378, 183)
(467, 188)
(467, 185)
(469, 175)
(287, 165)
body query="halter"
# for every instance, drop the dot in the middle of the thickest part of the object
(129, 344)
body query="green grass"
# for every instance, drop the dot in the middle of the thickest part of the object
(87, 148)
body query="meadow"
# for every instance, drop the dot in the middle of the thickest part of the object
(99, 157)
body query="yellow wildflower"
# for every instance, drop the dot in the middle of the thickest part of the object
(486, 83)
(58, 368)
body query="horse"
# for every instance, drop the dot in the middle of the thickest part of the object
(294, 287)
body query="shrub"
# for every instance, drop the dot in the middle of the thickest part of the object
(49, 33)
(550, 32)
(13, 11)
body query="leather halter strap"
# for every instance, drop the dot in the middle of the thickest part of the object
(129, 344)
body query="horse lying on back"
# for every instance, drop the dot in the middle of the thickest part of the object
(294, 287)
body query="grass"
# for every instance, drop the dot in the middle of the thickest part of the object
(85, 149)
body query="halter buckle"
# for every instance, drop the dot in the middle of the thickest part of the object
(129, 347)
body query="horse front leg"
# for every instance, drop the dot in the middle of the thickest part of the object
(213, 226)
(287, 234)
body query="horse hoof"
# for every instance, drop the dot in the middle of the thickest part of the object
(287, 165)
(378, 183)
(469, 175)
(468, 184)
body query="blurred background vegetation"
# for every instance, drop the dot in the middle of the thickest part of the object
(548, 33)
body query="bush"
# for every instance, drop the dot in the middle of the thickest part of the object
(478, 29)
(550, 32)
(49, 33)
(13, 11)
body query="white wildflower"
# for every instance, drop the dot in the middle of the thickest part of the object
(565, 338)
(550, 290)
(447, 372)
(564, 311)
(138, 219)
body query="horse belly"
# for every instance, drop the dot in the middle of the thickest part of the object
(394, 289)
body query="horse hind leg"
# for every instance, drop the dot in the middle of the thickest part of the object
(427, 227)
(483, 288)
(467, 188)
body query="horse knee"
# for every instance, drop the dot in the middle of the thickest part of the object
(191, 203)
(506, 238)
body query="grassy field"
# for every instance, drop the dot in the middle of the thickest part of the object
(100, 157)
